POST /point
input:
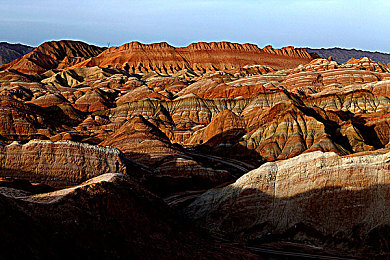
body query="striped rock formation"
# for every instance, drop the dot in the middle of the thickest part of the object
(58, 163)
(154, 118)
(136, 57)
(318, 198)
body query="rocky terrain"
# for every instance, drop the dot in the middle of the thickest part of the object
(329, 200)
(10, 52)
(254, 145)
(61, 163)
(136, 57)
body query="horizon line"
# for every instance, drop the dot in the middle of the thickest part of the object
(202, 41)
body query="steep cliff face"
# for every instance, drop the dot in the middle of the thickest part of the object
(321, 198)
(289, 51)
(53, 55)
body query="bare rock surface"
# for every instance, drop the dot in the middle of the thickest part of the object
(321, 198)
(58, 163)
(202, 56)
(184, 120)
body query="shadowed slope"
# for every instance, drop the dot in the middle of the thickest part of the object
(109, 216)
(10, 52)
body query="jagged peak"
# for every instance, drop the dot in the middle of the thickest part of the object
(288, 51)
(322, 61)
(139, 45)
(352, 60)
(361, 60)
(224, 45)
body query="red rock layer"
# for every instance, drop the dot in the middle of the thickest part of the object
(202, 56)
(288, 51)
(153, 118)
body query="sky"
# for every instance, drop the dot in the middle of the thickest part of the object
(301, 23)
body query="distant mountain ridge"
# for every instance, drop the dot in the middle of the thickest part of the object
(341, 55)
(136, 57)
(12, 51)
(53, 55)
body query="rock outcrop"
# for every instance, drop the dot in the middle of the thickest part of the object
(58, 163)
(320, 198)
(343, 55)
(153, 118)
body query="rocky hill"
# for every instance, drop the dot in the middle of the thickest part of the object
(53, 55)
(136, 57)
(305, 198)
(163, 58)
(10, 52)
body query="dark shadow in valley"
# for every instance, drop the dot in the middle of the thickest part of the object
(104, 220)
(368, 132)
(226, 146)
(219, 161)
(168, 176)
(331, 127)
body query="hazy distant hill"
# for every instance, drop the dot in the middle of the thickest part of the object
(342, 55)
(10, 52)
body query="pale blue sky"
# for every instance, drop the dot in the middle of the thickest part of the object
(313, 23)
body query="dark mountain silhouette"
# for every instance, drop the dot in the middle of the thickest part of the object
(10, 51)
(341, 55)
